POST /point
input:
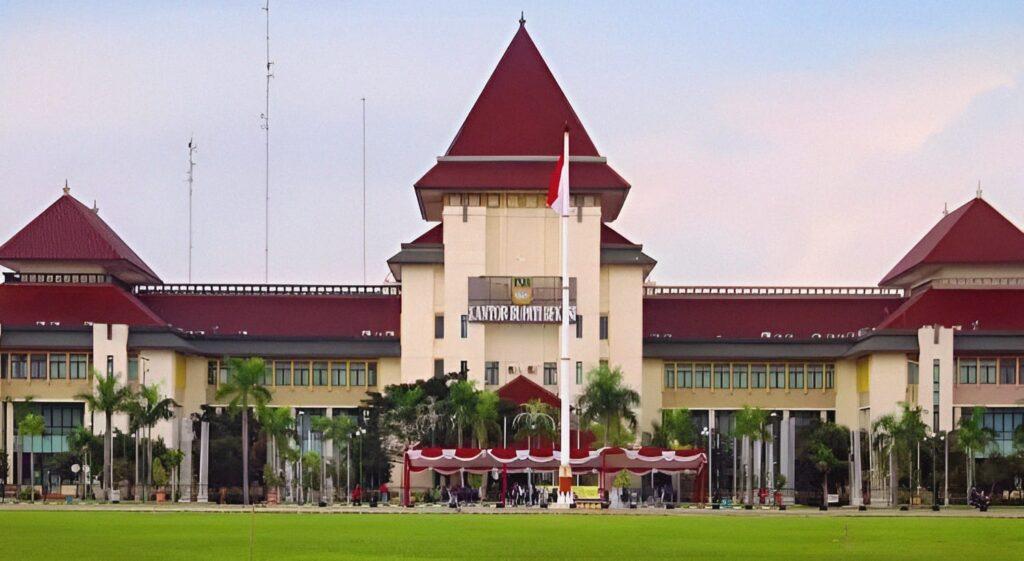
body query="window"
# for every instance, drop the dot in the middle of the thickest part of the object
(319, 373)
(550, 374)
(1007, 371)
(579, 373)
(758, 376)
(282, 373)
(796, 376)
(670, 375)
(776, 376)
(38, 367)
(702, 376)
(491, 373)
(463, 368)
(579, 327)
(830, 376)
(358, 372)
(722, 376)
(684, 375)
(224, 373)
(211, 372)
(58, 366)
(19, 366)
(815, 376)
(110, 365)
(133, 369)
(913, 373)
(968, 371)
(988, 371)
(438, 327)
(464, 326)
(268, 373)
(439, 368)
(602, 328)
(935, 394)
(739, 376)
(371, 374)
(79, 368)
(339, 374)
(301, 373)
(3, 367)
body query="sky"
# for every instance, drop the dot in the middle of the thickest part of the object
(766, 143)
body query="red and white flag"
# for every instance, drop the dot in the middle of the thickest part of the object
(558, 188)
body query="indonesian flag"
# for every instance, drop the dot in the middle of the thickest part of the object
(558, 188)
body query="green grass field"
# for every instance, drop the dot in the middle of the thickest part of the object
(80, 536)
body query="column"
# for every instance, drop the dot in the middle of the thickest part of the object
(8, 422)
(756, 471)
(713, 483)
(185, 471)
(328, 452)
(769, 459)
(855, 478)
(204, 462)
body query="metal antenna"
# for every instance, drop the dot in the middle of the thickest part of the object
(265, 116)
(978, 192)
(191, 166)
(364, 189)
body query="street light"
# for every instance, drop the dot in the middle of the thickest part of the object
(302, 441)
(706, 431)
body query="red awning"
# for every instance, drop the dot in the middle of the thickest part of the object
(448, 461)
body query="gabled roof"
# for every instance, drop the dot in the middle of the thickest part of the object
(434, 235)
(69, 231)
(801, 318)
(287, 316)
(512, 131)
(977, 309)
(521, 389)
(72, 305)
(975, 233)
(609, 237)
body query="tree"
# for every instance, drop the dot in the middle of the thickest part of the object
(607, 401)
(823, 442)
(32, 425)
(172, 459)
(109, 398)
(244, 388)
(462, 398)
(973, 437)
(147, 408)
(278, 428)
(750, 422)
(338, 431)
(485, 417)
(675, 430)
(898, 437)
(535, 420)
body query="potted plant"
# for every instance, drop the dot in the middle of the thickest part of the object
(780, 483)
(159, 480)
(272, 481)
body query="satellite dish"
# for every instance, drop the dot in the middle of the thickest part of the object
(75, 468)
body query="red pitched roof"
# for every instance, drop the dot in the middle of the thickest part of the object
(434, 235)
(69, 231)
(975, 233)
(749, 318)
(611, 237)
(987, 310)
(522, 111)
(280, 316)
(521, 389)
(72, 305)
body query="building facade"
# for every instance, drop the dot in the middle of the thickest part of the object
(478, 293)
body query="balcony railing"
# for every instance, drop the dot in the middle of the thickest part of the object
(272, 289)
(773, 291)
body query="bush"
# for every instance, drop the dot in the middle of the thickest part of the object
(159, 473)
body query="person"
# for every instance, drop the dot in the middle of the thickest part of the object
(978, 499)
(357, 494)
(383, 493)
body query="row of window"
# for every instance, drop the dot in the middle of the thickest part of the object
(513, 200)
(337, 373)
(719, 375)
(44, 366)
(989, 370)
(602, 327)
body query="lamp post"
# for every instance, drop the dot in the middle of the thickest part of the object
(302, 441)
(945, 469)
(707, 432)
(935, 485)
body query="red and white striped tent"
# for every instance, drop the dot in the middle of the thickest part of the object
(609, 460)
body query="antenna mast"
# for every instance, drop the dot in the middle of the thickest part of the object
(191, 166)
(364, 190)
(265, 116)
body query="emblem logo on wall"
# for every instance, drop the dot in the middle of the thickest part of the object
(522, 291)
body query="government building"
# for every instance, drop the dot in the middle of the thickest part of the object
(479, 293)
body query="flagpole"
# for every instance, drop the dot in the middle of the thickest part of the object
(564, 470)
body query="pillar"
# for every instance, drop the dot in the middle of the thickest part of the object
(769, 459)
(185, 471)
(855, 478)
(204, 463)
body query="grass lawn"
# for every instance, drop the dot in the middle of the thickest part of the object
(80, 536)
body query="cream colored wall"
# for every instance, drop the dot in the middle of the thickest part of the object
(930, 349)
(888, 383)
(422, 286)
(847, 402)
(625, 329)
(117, 347)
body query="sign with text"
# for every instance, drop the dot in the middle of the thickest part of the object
(519, 300)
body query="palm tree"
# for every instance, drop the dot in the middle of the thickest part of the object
(338, 431)
(21, 408)
(172, 460)
(31, 425)
(147, 409)
(109, 398)
(81, 440)
(278, 427)
(462, 398)
(429, 413)
(485, 417)
(898, 436)
(973, 437)
(536, 420)
(750, 422)
(606, 400)
(675, 429)
(244, 388)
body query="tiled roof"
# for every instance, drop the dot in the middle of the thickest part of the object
(975, 233)
(71, 305)
(434, 235)
(521, 389)
(752, 318)
(69, 231)
(972, 309)
(299, 316)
